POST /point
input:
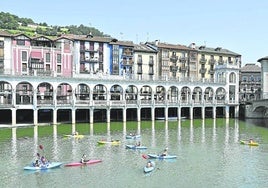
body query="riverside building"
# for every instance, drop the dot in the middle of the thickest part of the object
(88, 79)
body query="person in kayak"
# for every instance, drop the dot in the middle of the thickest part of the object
(138, 143)
(251, 141)
(84, 159)
(165, 152)
(149, 164)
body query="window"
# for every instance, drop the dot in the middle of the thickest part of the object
(24, 67)
(21, 42)
(24, 56)
(47, 67)
(58, 58)
(1, 44)
(244, 78)
(58, 68)
(47, 57)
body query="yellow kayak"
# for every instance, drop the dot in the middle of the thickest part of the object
(74, 136)
(249, 143)
(114, 142)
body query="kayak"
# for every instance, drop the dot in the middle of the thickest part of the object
(92, 161)
(153, 156)
(46, 166)
(74, 136)
(133, 136)
(114, 142)
(248, 143)
(147, 169)
(135, 147)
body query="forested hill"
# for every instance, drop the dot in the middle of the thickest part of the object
(14, 24)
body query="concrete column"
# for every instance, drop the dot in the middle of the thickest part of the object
(35, 116)
(153, 113)
(179, 112)
(55, 116)
(91, 115)
(138, 114)
(203, 113)
(166, 113)
(191, 113)
(236, 115)
(124, 114)
(108, 115)
(14, 119)
(227, 111)
(214, 115)
(73, 116)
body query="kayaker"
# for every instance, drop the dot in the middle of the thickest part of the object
(138, 143)
(37, 163)
(251, 141)
(149, 164)
(165, 152)
(84, 159)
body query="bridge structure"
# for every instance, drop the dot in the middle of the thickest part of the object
(257, 109)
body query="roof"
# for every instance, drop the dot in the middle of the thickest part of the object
(4, 33)
(250, 67)
(217, 50)
(263, 58)
(172, 46)
(143, 48)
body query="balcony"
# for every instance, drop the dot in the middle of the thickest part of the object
(183, 59)
(212, 61)
(211, 71)
(202, 70)
(203, 61)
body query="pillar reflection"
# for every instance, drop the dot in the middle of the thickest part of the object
(236, 130)
(191, 131)
(153, 134)
(203, 138)
(179, 131)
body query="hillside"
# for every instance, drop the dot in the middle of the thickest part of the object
(14, 24)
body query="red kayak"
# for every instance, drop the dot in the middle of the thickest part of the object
(92, 161)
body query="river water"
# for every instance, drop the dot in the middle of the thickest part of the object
(209, 154)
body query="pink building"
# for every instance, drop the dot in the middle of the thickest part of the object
(41, 56)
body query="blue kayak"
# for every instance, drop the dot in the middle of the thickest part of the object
(133, 136)
(153, 156)
(46, 166)
(148, 169)
(135, 147)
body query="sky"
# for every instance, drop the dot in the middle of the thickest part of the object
(237, 25)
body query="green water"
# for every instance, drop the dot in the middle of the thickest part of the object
(209, 154)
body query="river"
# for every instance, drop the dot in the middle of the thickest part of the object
(209, 154)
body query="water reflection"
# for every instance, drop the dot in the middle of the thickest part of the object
(214, 135)
(179, 131)
(55, 143)
(153, 134)
(229, 164)
(203, 131)
(91, 129)
(236, 130)
(166, 133)
(14, 142)
(191, 131)
(227, 131)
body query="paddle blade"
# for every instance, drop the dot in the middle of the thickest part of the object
(41, 147)
(145, 156)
